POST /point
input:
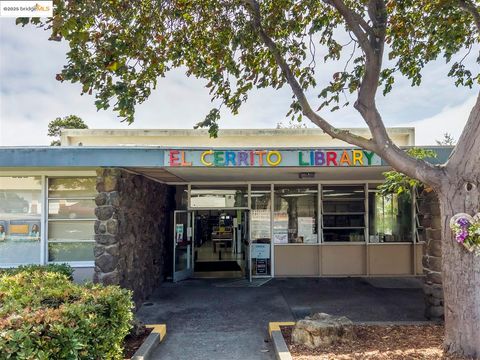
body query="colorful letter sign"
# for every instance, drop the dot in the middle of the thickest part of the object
(272, 158)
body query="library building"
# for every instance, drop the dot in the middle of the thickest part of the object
(137, 207)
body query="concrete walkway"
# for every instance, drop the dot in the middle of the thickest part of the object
(221, 319)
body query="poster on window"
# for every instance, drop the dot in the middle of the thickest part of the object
(306, 229)
(179, 233)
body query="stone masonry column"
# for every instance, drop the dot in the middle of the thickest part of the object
(130, 231)
(432, 258)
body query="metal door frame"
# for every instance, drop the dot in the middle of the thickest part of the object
(188, 272)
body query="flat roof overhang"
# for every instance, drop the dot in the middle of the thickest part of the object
(150, 161)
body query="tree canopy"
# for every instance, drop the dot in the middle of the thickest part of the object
(56, 126)
(119, 50)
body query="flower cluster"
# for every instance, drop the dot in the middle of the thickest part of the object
(466, 230)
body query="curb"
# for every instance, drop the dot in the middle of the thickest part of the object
(279, 345)
(151, 342)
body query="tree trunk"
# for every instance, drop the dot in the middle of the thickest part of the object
(461, 271)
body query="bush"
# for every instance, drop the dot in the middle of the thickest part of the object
(43, 315)
(64, 269)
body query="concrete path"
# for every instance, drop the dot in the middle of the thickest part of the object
(219, 320)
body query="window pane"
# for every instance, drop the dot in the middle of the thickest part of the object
(70, 230)
(70, 251)
(343, 192)
(295, 215)
(390, 218)
(20, 220)
(71, 209)
(71, 187)
(218, 197)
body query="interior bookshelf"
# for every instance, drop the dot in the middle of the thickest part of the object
(343, 213)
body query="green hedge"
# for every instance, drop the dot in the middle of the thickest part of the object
(64, 269)
(43, 315)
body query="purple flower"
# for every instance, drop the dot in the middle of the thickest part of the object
(461, 236)
(463, 222)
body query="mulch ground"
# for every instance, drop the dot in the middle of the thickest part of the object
(132, 343)
(397, 342)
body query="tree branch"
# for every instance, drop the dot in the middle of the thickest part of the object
(468, 6)
(297, 89)
(381, 144)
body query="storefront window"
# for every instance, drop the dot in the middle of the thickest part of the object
(390, 218)
(260, 230)
(20, 220)
(343, 213)
(71, 219)
(219, 197)
(295, 214)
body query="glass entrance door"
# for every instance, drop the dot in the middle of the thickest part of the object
(260, 250)
(182, 245)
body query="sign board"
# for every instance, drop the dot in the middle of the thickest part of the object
(351, 157)
(261, 267)
(260, 251)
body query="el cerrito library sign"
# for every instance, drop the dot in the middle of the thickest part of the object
(272, 158)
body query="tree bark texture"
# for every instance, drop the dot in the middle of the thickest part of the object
(461, 275)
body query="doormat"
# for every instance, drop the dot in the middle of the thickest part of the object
(207, 266)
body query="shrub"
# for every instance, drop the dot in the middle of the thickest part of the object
(43, 315)
(64, 269)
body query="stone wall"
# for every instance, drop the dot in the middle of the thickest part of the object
(432, 258)
(131, 231)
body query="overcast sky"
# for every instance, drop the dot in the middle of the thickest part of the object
(30, 97)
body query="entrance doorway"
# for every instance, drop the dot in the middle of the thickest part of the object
(211, 244)
(220, 243)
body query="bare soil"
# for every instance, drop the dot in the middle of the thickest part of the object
(132, 343)
(396, 342)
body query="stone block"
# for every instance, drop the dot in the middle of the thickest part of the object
(435, 312)
(111, 278)
(434, 248)
(106, 262)
(101, 199)
(104, 212)
(432, 263)
(114, 199)
(113, 250)
(433, 234)
(110, 183)
(112, 226)
(321, 330)
(434, 277)
(105, 239)
(98, 250)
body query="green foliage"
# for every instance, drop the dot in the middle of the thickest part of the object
(63, 269)
(46, 316)
(400, 184)
(68, 122)
(119, 51)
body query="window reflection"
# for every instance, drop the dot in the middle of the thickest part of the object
(390, 218)
(295, 215)
(20, 220)
(71, 218)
